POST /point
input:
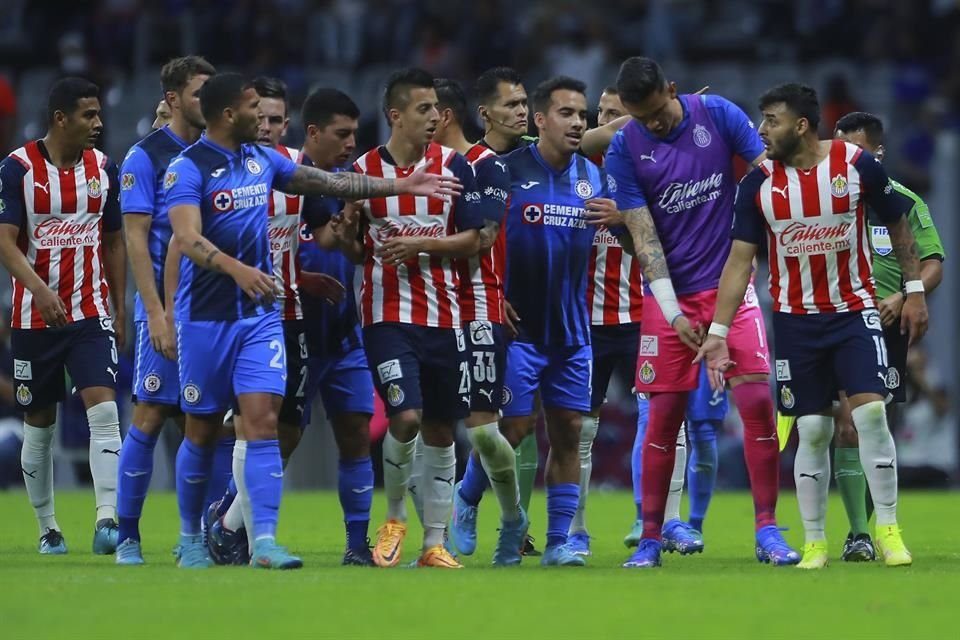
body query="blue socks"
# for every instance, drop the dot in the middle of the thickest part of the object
(193, 472)
(474, 482)
(562, 500)
(221, 472)
(355, 486)
(134, 471)
(263, 473)
(702, 470)
(636, 458)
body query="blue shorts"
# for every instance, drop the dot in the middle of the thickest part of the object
(155, 379)
(562, 374)
(487, 355)
(343, 382)
(614, 349)
(222, 359)
(819, 355)
(418, 367)
(705, 404)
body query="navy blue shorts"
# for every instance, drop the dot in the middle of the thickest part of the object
(819, 355)
(295, 344)
(421, 368)
(155, 379)
(614, 349)
(897, 346)
(487, 355)
(87, 348)
(343, 382)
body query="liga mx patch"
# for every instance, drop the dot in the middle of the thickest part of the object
(22, 370)
(649, 346)
(127, 181)
(389, 370)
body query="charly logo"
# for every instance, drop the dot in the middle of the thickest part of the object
(701, 137)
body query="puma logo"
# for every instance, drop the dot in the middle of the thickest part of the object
(487, 393)
(29, 474)
(658, 446)
(781, 190)
(116, 453)
(649, 156)
(772, 438)
(449, 480)
(886, 466)
(392, 463)
(813, 476)
(43, 187)
(112, 373)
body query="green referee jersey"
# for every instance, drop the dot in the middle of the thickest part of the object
(886, 269)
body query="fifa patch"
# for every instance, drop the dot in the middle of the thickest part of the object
(222, 201)
(649, 346)
(395, 395)
(646, 373)
(481, 332)
(783, 371)
(893, 378)
(24, 397)
(22, 370)
(839, 187)
(170, 179)
(191, 394)
(507, 395)
(254, 167)
(880, 239)
(871, 319)
(532, 214)
(701, 137)
(127, 181)
(93, 188)
(389, 370)
(787, 399)
(152, 383)
(584, 189)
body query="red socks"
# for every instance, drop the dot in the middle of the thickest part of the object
(760, 448)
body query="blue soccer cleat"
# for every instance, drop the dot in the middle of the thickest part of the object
(106, 537)
(579, 543)
(646, 556)
(680, 536)
(510, 541)
(773, 549)
(52, 543)
(632, 539)
(463, 524)
(193, 553)
(267, 554)
(225, 546)
(561, 555)
(129, 553)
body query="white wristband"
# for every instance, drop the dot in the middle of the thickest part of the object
(662, 290)
(719, 330)
(913, 286)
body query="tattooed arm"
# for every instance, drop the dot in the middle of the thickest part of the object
(350, 186)
(914, 317)
(644, 243)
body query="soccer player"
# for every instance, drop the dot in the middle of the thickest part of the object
(807, 200)
(61, 241)
(674, 171)
(156, 384)
(866, 131)
(162, 115)
(230, 336)
(411, 315)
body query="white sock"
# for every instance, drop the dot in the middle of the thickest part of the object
(878, 455)
(439, 472)
(499, 461)
(811, 473)
(104, 424)
(397, 463)
(233, 519)
(416, 478)
(588, 431)
(36, 462)
(672, 508)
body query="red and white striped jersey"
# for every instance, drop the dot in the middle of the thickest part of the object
(284, 231)
(615, 290)
(61, 230)
(481, 276)
(423, 290)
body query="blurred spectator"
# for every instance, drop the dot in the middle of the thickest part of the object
(11, 420)
(927, 440)
(835, 102)
(8, 114)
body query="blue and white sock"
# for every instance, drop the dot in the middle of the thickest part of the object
(702, 470)
(562, 502)
(193, 472)
(355, 487)
(134, 471)
(263, 473)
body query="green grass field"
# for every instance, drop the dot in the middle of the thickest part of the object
(722, 593)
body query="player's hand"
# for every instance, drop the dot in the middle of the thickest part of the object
(890, 308)
(256, 284)
(51, 307)
(169, 350)
(603, 211)
(160, 328)
(690, 336)
(913, 317)
(714, 351)
(421, 183)
(399, 249)
(511, 320)
(323, 286)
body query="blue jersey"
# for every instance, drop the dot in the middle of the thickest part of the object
(142, 193)
(548, 246)
(232, 190)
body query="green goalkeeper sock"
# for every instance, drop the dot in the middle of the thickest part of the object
(527, 461)
(853, 487)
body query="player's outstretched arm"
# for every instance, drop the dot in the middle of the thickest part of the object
(51, 307)
(115, 273)
(597, 140)
(348, 185)
(914, 317)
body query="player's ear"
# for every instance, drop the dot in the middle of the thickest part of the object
(482, 112)
(672, 89)
(539, 119)
(879, 152)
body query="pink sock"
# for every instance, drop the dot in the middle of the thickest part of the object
(659, 449)
(760, 448)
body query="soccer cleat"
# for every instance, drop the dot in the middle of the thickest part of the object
(646, 556)
(579, 543)
(814, 555)
(772, 548)
(129, 553)
(463, 524)
(890, 546)
(858, 548)
(386, 552)
(528, 549)
(561, 555)
(52, 543)
(438, 557)
(267, 554)
(359, 557)
(632, 539)
(680, 536)
(512, 534)
(225, 546)
(193, 553)
(105, 537)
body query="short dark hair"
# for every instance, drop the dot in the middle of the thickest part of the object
(268, 87)
(544, 91)
(323, 104)
(221, 91)
(611, 89)
(870, 124)
(396, 93)
(67, 92)
(799, 98)
(451, 96)
(176, 74)
(639, 78)
(488, 83)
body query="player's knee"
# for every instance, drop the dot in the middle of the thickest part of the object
(352, 433)
(93, 396)
(437, 434)
(564, 428)
(202, 431)
(149, 417)
(42, 418)
(815, 431)
(405, 425)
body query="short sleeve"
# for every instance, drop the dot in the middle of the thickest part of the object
(468, 213)
(748, 222)
(283, 168)
(619, 164)
(735, 127)
(12, 207)
(112, 220)
(493, 182)
(929, 245)
(182, 183)
(138, 190)
(877, 190)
